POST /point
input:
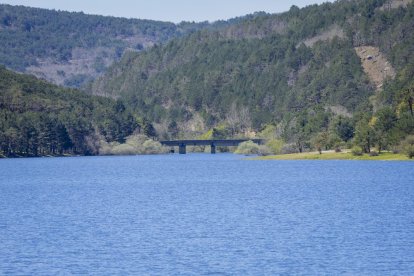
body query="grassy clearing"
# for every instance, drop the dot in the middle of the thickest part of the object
(385, 156)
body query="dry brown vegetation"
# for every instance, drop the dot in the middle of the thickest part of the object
(395, 4)
(333, 31)
(375, 65)
(83, 62)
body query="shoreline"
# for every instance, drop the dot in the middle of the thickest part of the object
(327, 155)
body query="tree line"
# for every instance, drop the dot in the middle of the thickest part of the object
(38, 119)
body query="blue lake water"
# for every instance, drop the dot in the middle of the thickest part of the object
(202, 214)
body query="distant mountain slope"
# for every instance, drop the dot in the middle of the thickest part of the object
(71, 48)
(299, 66)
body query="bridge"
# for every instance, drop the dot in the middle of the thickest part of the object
(182, 144)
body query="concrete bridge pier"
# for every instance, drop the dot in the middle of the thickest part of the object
(182, 149)
(213, 148)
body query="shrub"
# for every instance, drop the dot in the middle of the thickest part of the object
(247, 148)
(136, 140)
(289, 148)
(135, 144)
(320, 141)
(264, 150)
(340, 145)
(152, 147)
(409, 151)
(105, 148)
(407, 146)
(357, 150)
(395, 149)
(275, 146)
(124, 149)
(373, 153)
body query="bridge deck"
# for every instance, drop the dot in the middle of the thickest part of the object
(216, 142)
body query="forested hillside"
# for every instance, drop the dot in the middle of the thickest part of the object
(307, 73)
(72, 48)
(331, 76)
(38, 118)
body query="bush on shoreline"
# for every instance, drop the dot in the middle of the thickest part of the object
(407, 146)
(134, 145)
(357, 151)
(247, 148)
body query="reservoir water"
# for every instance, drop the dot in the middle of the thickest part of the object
(201, 214)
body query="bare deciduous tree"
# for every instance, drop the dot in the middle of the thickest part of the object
(238, 118)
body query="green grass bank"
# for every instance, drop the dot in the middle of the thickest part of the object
(385, 156)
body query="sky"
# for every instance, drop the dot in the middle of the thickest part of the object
(168, 10)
